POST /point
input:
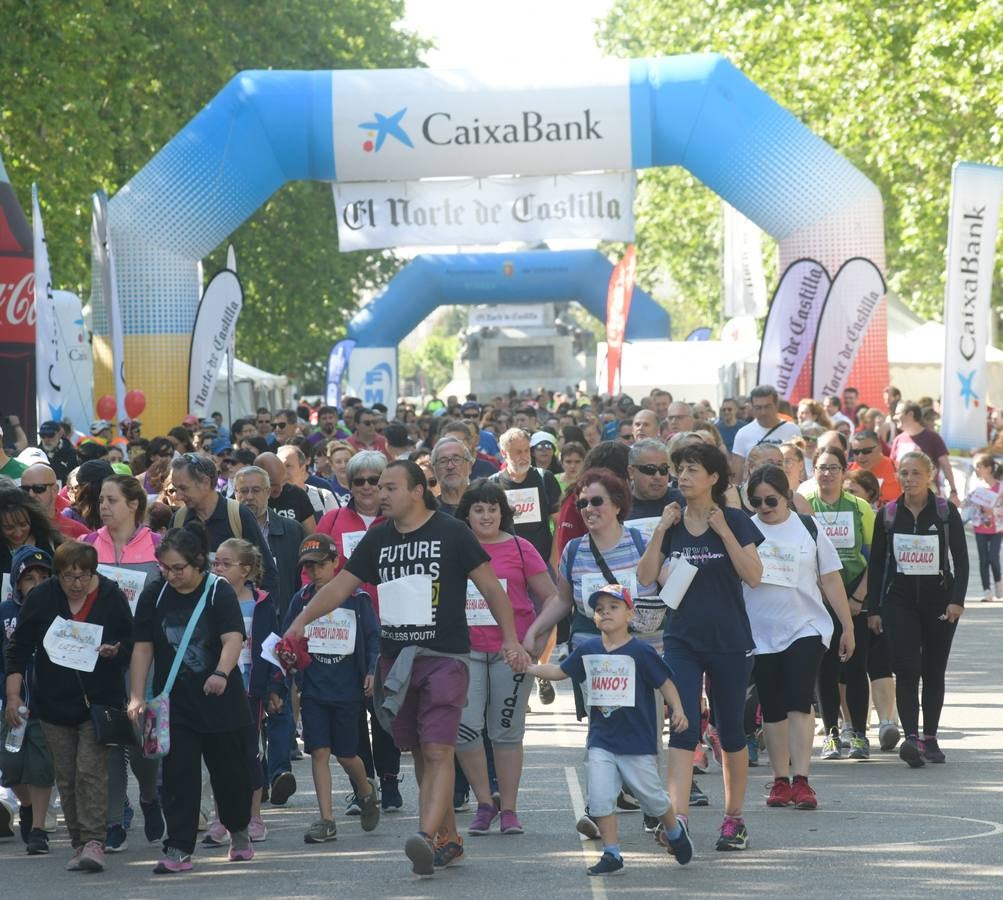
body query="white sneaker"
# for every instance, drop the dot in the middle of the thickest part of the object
(6, 818)
(846, 735)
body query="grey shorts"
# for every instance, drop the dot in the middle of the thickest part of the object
(496, 702)
(608, 773)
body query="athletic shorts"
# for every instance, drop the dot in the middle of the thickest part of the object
(32, 764)
(433, 706)
(786, 680)
(331, 725)
(609, 772)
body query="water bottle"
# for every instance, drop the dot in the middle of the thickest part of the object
(15, 737)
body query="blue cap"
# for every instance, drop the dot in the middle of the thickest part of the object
(616, 591)
(219, 446)
(27, 557)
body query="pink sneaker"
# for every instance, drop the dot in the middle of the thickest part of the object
(174, 860)
(216, 835)
(256, 829)
(240, 847)
(714, 740)
(510, 823)
(485, 815)
(92, 857)
(74, 862)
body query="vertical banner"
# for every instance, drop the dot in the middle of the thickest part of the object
(78, 364)
(744, 279)
(49, 375)
(231, 351)
(101, 239)
(973, 224)
(337, 363)
(621, 288)
(791, 323)
(856, 295)
(372, 371)
(215, 323)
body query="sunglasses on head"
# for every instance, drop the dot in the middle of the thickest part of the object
(772, 501)
(590, 501)
(652, 469)
(372, 480)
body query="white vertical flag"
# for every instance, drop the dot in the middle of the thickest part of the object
(101, 236)
(49, 375)
(75, 354)
(744, 278)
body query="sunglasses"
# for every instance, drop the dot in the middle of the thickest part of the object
(37, 488)
(590, 501)
(857, 450)
(372, 480)
(651, 469)
(772, 502)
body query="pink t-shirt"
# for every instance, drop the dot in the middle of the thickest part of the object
(993, 524)
(514, 568)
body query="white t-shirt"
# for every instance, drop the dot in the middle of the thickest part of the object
(781, 615)
(754, 433)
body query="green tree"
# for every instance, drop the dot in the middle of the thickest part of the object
(91, 90)
(433, 357)
(902, 90)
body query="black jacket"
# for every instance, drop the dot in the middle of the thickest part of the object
(284, 538)
(55, 691)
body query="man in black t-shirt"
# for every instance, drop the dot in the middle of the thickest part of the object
(420, 560)
(284, 499)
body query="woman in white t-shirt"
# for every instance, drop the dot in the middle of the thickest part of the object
(792, 628)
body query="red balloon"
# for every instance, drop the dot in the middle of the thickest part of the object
(135, 403)
(106, 407)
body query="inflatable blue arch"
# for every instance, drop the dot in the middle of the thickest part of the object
(266, 128)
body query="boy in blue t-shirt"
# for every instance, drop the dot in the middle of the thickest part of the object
(619, 674)
(343, 648)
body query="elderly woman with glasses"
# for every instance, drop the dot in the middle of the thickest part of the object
(93, 608)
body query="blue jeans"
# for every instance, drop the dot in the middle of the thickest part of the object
(280, 730)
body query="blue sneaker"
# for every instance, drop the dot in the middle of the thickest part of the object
(608, 865)
(681, 847)
(116, 840)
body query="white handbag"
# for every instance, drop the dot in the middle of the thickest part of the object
(679, 577)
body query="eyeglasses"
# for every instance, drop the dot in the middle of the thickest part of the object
(652, 469)
(75, 579)
(167, 571)
(590, 501)
(279, 425)
(250, 489)
(371, 480)
(37, 488)
(870, 449)
(772, 501)
(828, 470)
(450, 461)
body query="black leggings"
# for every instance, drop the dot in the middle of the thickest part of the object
(989, 557)
(786, 680)
(879, 664)
(381, 757)
(853, 672)
(919, 642)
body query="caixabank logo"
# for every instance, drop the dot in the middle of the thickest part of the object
(382, 127)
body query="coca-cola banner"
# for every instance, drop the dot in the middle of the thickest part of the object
(789, 335)
(49, 374)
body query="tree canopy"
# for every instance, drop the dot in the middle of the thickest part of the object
(91, 90)
(903, 90)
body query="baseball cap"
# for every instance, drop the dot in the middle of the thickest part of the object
(48, 429)
(318, 548)
(27, 557)
(121, 468)
(31, 455)
(128, 423)
(100, 425)
(616, 591)
(542, 437)
(94, 471)
(470, 405)
(220, 446)
(397, 435)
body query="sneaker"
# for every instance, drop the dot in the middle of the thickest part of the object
(651, 824)
(912, 753)
(74, 863)
(37, 843)
(608, 865)
(510, 823)
(283, 787)
(369, 808)
(257, 830)
(627, 802)
(846, 734)
(92, 857)
(485, 815)
(561, 653)
(546, 691)
(752, 742)
(321, 831)
(931, 750)
(888, 735)
(421, 851)
(116, 840)
(295, 754)
(780, 794)
(714, 741)
(390, 793)
(700, 761)
(830, 748)
(802, 795)
(128, 814)
(448, 852)
(173, 860)
(153, 820)
(860, 747)
(698, 797)
(216, 834)
(461, 800)
(6, 817)
(681, 847)
(240, 846)
(734, 835)
(352, 806)
(587, 826)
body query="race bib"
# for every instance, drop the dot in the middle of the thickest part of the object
(645, 526)
(406, 601)
(525, 504)
(478, 612)
(592, 581)
(129, 581)
(781, 563)
(609, 680)
(917, 554)
(244, 660)
(838, 528)
(349, 541)
(333, 634)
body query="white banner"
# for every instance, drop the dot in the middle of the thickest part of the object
(506, 316)
(215, 324)
(855, 295)
(484, 210)
(372, 373)
(78, 364)
(976, 193)
(452, 123)
(50, 376)
(101, 238)
(790, 326)
(744, 279)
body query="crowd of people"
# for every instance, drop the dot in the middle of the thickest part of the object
(368, 584)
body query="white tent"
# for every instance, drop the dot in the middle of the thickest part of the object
(252, 387)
